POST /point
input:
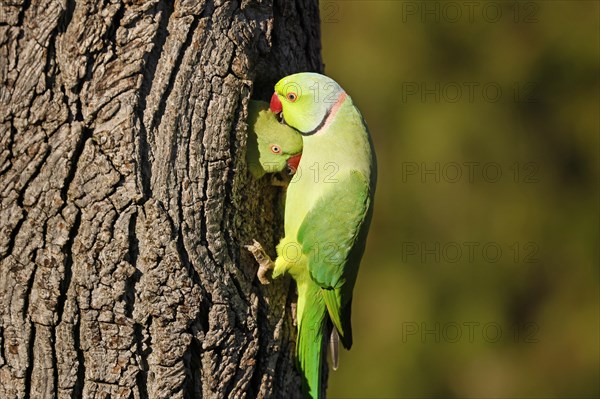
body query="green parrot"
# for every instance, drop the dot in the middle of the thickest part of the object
(272, 146)
(328, 211)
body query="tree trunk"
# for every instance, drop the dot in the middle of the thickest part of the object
(126, 198)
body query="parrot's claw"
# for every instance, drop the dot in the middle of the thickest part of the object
(264, 261)
(262, 275)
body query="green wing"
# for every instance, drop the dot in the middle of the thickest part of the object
(333, 237)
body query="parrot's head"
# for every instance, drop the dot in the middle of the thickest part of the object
(279, 146)
(305, 100)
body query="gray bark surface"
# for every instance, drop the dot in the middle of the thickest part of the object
(125, 198)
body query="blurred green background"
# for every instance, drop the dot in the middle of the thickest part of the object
(481, 276)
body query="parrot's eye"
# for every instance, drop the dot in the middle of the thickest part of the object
(291, 96)
(275, 149)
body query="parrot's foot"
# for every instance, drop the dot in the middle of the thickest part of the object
(265, 264)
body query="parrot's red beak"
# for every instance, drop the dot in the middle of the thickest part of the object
(276, 106)
(293, 162)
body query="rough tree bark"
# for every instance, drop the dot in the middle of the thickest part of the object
(126, 199)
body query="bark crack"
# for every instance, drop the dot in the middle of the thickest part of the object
(115, 23)
(24, 8)
(29, 370)
(5, 167)
(80, 380)
(85, 135)
(67, 16)
(175, 69)
(13, 235)
(142, 374)
(54, 360)
(230, 183)
(68, 264)
(29, 287)
(151, 64)
(191, 364)
(132, 257)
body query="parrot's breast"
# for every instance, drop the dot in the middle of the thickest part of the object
(328, 158)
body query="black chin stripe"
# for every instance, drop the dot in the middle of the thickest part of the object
(319, 126)
(336, 106)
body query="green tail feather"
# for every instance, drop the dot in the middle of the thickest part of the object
(311, 347)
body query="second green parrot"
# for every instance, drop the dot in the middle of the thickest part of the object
(272, 146)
